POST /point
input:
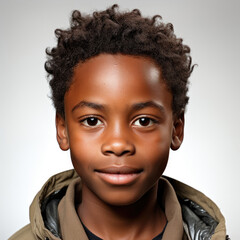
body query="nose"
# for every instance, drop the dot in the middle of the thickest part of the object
(118, 147)
(118, 143)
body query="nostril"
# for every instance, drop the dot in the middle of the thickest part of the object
(109, 152)
(126, 152)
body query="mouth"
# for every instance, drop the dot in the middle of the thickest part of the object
(119, 175)
(119, 170)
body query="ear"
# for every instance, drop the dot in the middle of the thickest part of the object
(62, 136)
(178, 132)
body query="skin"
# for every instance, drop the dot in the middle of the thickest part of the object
(119, 127)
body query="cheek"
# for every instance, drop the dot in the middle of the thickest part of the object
(157, 151)
(83, 150)
(158, 158)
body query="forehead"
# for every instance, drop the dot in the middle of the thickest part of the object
(118, 77)
(101, 63)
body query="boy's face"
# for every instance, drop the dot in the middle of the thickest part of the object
(119, 126)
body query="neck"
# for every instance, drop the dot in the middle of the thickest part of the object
(143, 219)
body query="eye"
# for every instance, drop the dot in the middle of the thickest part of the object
(144, 122)
(91, 122)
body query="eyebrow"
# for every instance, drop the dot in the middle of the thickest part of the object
(134, 107)
(88, 104)
(142, 105)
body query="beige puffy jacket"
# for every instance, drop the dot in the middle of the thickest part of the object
(200, 214)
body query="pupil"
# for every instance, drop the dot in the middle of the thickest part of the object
(144, 121)
(92, 121)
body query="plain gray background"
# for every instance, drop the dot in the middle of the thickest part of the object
(209, 157)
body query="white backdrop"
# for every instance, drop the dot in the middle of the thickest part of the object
(208, 159)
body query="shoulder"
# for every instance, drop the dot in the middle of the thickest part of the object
(197, 206)
(23, 234)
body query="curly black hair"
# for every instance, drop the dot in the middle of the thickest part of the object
(114, 32)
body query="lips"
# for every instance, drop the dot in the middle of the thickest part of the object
(123, 175)
(119, 170)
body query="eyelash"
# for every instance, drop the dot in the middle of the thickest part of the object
(150, 121)
(94, 118)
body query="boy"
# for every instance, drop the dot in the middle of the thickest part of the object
(119, 85)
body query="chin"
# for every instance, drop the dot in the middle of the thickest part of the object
(120, 199)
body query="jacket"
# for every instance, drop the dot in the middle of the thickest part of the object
(202, 219)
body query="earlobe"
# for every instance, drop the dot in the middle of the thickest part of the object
(178, 132)
(62, 136)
